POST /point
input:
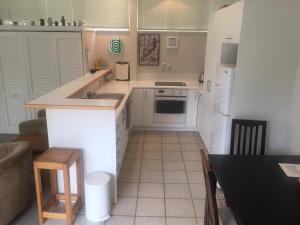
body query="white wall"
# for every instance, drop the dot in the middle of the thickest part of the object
(102, 42)
(295, 112)
(186, 62)
(89, 49)
(216, 4)
(266, 67)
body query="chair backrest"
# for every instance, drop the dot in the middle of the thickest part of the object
(210, 184)
(248, 137)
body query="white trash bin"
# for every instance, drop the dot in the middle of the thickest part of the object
(97, 196)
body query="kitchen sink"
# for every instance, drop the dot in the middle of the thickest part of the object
(169, 83)
(109, 96)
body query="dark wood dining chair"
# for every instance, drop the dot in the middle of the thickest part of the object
(213, 215)
(211, 212)
(248, 137)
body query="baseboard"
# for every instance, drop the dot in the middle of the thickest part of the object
(164, 128)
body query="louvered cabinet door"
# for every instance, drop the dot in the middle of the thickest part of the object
(69, 56)
(41, 62)
(14, 88)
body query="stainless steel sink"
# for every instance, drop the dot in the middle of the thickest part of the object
(109, 96)
(169, 83)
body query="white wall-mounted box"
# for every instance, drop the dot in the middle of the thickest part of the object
(172, 42)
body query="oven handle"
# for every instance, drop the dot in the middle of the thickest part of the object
(177, 98)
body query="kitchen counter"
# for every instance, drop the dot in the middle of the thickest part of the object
(97, 126)
(62, 96)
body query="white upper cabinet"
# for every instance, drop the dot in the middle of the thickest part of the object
(173, 14)
(102, 13)
(108, 14)
(19, 10)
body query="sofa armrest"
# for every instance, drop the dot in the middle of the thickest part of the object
(19, 150)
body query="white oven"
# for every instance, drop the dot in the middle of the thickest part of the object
(170, 106)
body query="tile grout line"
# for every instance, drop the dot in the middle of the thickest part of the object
(163, 173)
(188, 184)
(139, 181)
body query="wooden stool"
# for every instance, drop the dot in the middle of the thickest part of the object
(55, 159)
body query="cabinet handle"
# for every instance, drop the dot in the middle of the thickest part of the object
(118, 139)
(199, 98)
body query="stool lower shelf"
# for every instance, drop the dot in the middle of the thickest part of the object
(55, 208)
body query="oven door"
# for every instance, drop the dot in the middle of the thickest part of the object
(170, 110)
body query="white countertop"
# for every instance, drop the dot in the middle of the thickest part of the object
(60, 97)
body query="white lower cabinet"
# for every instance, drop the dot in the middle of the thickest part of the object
(200, 116)
(142, 107)
(192, 109)
(148, 107)
(33, 64)
(122, 135)
(137, 107)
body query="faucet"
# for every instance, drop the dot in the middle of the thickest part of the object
(90, 95)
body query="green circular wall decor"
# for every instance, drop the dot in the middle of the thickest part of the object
(116, 46)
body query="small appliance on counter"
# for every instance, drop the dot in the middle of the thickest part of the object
(201, 78)
(122, 71)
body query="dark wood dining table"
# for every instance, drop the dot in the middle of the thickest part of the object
(257, 190)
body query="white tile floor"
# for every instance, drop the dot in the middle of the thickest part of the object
(161, 183)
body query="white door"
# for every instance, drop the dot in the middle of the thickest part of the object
(14, 89)
(69, 56)
(192, 109)
(148, 107)
(41, 62)
(137, 107)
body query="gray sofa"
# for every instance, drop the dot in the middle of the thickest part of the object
(15, 169)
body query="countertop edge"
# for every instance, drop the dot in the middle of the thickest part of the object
(43, 102)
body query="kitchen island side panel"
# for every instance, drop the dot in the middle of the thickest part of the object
(94, 131)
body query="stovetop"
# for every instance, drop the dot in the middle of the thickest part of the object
(170, 83)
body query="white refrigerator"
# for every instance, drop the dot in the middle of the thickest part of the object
(224, 85)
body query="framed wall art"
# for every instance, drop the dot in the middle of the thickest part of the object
(149, 47)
